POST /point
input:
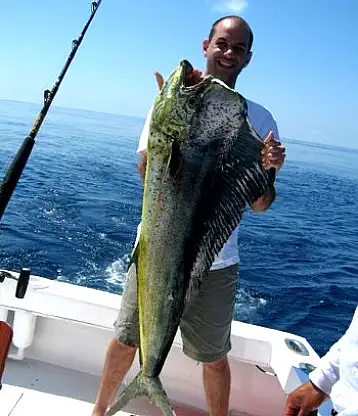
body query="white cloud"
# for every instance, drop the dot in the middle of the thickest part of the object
(231, 6)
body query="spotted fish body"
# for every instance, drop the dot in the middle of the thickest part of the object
(203, 169)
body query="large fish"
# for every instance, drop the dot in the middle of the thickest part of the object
(203, 169)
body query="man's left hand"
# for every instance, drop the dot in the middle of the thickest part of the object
(273, 153)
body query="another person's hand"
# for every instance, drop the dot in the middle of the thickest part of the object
(304, 400)
(273, 153)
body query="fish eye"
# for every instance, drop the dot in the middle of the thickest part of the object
(191, 101)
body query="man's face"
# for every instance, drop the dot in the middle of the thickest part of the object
(228, 51)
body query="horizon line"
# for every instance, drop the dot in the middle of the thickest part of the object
(283, 138)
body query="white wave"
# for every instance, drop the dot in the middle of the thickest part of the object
(248, 306)
(116, 272)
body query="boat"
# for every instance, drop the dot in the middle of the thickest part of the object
(60, 332)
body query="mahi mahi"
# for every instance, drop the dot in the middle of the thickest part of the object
(203, 170)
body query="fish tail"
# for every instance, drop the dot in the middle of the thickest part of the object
(144, 386)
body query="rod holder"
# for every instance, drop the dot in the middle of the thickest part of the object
(22, 283)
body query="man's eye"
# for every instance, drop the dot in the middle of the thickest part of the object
(239, 49)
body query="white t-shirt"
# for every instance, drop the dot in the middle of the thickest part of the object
(337, 372)
(263, 122)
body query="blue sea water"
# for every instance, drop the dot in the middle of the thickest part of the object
(74, 215)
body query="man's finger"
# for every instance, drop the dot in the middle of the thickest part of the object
(290, 411)
(274, 151)
(160, 79)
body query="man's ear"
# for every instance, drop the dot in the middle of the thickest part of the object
(248, 59)
(205, 47)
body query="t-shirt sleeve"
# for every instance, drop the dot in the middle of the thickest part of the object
(142, 145)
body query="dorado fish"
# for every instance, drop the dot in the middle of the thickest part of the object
(203, 170)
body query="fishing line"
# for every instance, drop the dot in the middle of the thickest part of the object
(19, 162)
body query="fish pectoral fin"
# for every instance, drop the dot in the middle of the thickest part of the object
(239, 179)
(174, 161)
(144, 386)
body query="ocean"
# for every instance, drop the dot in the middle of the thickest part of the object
(74, 214)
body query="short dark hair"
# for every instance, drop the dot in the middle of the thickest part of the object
(238, 19)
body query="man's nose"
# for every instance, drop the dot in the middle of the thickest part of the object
(229, 52)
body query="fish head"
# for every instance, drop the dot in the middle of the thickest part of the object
(177, 103)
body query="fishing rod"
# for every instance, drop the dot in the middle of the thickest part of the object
(18, 164)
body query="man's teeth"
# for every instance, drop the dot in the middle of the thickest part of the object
(226, 64)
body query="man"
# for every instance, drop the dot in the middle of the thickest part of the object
(205, 325)
(336, 377)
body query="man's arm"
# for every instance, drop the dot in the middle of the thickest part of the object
(328, 373)
(142, 146)
(312, 394)
(142, 164)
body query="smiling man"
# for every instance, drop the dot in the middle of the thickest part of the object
(206, 323)
(228, 49)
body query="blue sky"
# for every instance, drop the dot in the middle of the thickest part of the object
(304, 69)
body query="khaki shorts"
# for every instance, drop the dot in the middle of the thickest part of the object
(206, 322)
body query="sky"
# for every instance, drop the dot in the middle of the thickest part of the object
(304, 68)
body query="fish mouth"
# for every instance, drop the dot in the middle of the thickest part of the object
(187, 69)
(177, 100)
(187, 82)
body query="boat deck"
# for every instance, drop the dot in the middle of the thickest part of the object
(45, 388)
(48, 378)
(49, 389)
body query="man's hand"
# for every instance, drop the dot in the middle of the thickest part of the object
(273, 156)
(304, 400)
(193, 78)
(273, 153)
(160, 79)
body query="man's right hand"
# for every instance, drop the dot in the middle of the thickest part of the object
(193, 78)
(304, 400)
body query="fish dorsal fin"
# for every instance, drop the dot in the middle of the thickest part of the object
(238, 180)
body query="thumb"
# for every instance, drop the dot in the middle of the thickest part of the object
(270, 137)
(160, 79)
